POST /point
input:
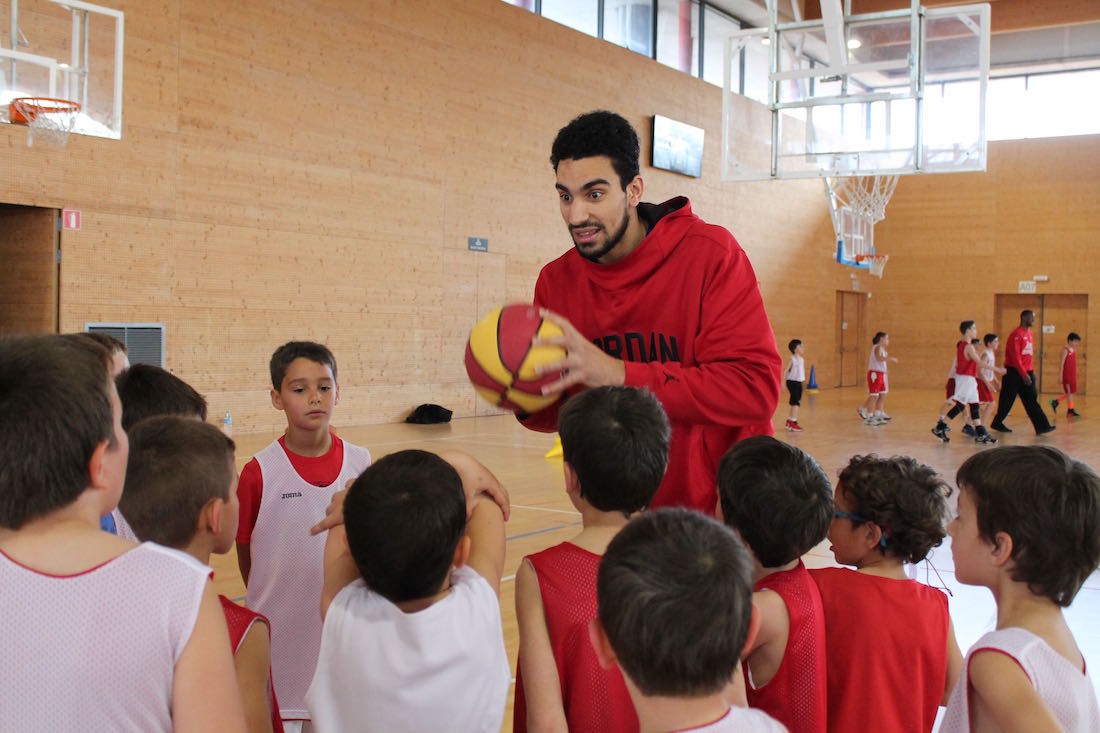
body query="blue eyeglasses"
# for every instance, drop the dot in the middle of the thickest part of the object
(858, 519)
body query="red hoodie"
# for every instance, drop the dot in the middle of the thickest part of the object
(684, 311)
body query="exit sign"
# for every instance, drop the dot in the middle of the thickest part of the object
(1026, 286)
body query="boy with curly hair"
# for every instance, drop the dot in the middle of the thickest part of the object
(886, 635)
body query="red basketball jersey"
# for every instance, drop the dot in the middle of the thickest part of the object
(885, 651)
(595, 698)
(239, 620)
(796, 695)
(963, 366)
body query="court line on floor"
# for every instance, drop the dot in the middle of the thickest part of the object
(545, 509)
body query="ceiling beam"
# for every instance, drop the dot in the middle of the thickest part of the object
(1006, 15)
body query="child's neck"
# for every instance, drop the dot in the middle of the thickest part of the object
(598, 528)
(419, 604)
(663, 714)
(883, 566)
(310, 443)
(765, 572)
(1018, 606)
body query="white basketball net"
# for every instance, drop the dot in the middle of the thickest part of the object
(876, 264)
(856, 204)
(48, 121)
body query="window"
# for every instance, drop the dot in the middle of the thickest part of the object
(678, 34)
(629, 23)
(716, 28)
(1043, 105)
(581, 15)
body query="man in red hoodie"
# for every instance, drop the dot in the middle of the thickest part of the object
(1019, 378)
(652, 296)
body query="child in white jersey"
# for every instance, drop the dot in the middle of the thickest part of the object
(282, 492)
(181, 492)
(86, 644)
(989, 382)
(795, 375)
(1028, 528)
(412, 630)
(674, 593)
(873, 411)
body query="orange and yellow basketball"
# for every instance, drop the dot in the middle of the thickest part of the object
(501, 358)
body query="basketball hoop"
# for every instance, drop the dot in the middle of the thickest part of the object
(875, 263)
(50, 119)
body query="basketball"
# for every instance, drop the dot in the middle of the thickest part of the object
(501, 360)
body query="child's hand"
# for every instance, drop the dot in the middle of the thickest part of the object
(477, 480)
(334, 512)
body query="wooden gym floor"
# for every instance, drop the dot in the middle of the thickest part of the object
(542, 515)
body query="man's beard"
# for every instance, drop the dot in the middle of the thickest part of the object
(594, 255)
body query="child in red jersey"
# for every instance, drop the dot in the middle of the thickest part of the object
(181, 492)
(282, 491)
(615, 449)
(966, 394)
(886, 635)
(780, 502)
(675, 614)
(1068, 370)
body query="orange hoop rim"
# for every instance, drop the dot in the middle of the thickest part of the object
(872, 258)
(24, 110)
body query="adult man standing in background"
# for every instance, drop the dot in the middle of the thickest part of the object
(1019, 378)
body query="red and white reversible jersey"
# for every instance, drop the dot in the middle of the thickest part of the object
(96, 650)
(287, 568)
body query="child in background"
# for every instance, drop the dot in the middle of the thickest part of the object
(988, 377)
(282, 491)
(873, 411)
(1068, 370)
(99, 633)
(120, 362)
(1028, 528)
(966, 389)
(675, 614)
(780, 503)
(180, 492)
(615, 450)
(145, 391)
(412, 630)
(887, 636)
(795, 376)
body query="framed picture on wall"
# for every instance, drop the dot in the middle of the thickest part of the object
(677, 146)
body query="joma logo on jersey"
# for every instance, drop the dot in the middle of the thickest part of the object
(292, 494)
(634, 346)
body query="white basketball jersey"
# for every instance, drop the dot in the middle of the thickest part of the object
(1066, 690)
(796, 372)
(286, 578)
(988, 362)
(443, 668)
(96, 651)
(122, 527)
(874, 363)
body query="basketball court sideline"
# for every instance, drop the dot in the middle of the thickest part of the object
(542, 515)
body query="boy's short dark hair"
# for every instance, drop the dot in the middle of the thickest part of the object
(616, 440)
(288, 352)
(105, 340)
(1049, 504)
(55, 408)
(904, 497)
(975, 342)
(794, 344)
(1073, 336)
(599, 133)
(777, 498)
(878, 337)
(404, 517)
(989, 338)
(965, 326)
(146, 390)
(177, 466)
(674, 593)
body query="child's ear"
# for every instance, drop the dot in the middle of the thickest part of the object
(1002, 549)
(572, 484)
(276, 399)
(210, 518)
(605, 655)
(97, 476)
(873, 536)
(754, 629)
(462, 551)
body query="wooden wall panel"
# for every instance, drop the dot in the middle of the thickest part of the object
(314, 172)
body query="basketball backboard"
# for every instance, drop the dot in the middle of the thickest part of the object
(884, 93)
(64, 49)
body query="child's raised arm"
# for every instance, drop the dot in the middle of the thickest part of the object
(205, 695)
(541, 686)
(339, 566)
(486, 511)
(1004, 699)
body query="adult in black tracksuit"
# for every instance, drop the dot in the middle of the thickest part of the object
(1019, 378)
